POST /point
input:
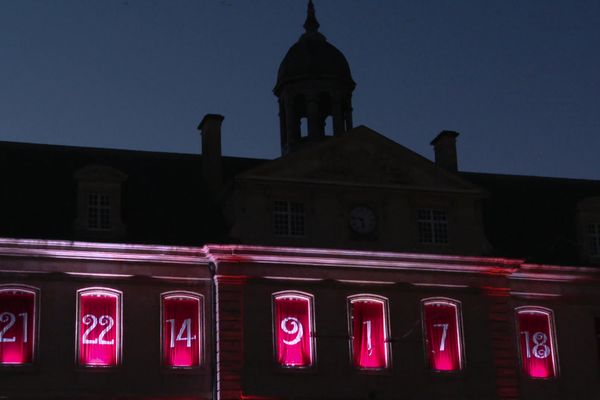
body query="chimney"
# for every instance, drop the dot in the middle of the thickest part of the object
(444, 145)
(210, 130)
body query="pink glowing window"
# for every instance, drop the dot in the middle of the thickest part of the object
(369, 331)
(442, 334)
(181, 329)
(17, 324)
(98, 327)
(535, 327)
(293, 329)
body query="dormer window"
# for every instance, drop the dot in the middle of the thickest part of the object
(588, 229)
(594, 239)
(99, 203)
(99, 211)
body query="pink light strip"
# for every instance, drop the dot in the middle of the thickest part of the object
(101, 251)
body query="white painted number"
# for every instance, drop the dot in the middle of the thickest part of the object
(105, 320)
(11, 319)
(93, 320)
(444, 335)
(369, 344)
(539, 349)
(186, 327)
(297, 329)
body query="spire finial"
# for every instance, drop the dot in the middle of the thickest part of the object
(311, 25)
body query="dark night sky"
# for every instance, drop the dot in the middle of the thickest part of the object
(519, 79)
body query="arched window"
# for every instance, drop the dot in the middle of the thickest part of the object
(18, 324)
(99, 327)
(535, 327)
(369, 331)
(293, 329)
(442, 332)
(181, 327)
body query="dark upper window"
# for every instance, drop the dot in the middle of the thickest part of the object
(594, 239)
(433, 226)
(288, 218)
(99, 198)
(99, 211)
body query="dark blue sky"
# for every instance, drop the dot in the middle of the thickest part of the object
(519, 79)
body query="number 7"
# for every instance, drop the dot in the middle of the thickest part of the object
(444, 335)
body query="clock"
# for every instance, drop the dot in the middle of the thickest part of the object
(362, 220)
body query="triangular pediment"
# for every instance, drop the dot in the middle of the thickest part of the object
(360, 157)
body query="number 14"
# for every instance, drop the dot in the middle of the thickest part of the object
(186, 327)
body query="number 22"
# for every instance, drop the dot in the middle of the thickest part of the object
(93, 320)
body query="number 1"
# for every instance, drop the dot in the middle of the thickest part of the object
(24, 316)
(369, 347)
(528, 352)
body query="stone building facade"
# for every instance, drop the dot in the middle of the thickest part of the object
(348, 268)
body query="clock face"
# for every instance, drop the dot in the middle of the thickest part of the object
(362, 219)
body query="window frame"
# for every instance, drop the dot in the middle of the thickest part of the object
(459, 327)
(201, 324)
(553, 342)
(386, 330)
(289, 214)
(35, 319)
(432, 223)
(119, 331)
(99, 208)
(312, 329)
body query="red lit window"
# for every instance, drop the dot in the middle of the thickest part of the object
(181, 329)
(369, 331)
(293, 328)
(535, 327)
(17, 324)
(98, 327)
(442, 334)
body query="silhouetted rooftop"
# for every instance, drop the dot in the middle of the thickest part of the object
(312, 57)
(533, 217)
(164, 198)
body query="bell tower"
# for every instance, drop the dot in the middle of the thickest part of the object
(314, 87)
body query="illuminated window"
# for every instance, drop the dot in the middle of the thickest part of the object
(594, 238)
(17, 324)
(293, 329)
(442, 334)
(369, 335)
(181, 329)
(433, 226)
(98, 327)
(288, 218)
(535, 327)
(99, 211)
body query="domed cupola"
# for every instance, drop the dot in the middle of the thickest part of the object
(313, 82)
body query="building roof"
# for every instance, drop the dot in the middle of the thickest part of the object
(166, 201)
(164, 197)
(312, 57)
(532, 217)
